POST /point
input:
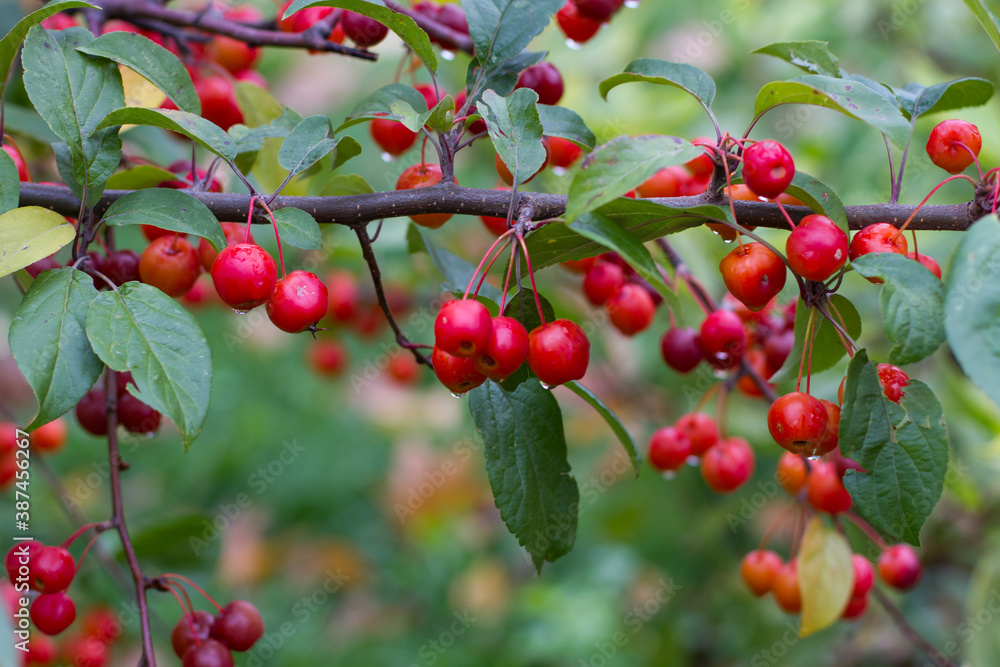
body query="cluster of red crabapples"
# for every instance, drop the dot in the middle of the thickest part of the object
(203, 640)
(47, 439)
(580, 20)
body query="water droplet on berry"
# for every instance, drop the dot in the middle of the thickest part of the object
(546, 386)
(558, 171)
(386, 157)
(814, 457)
(632, 4)
(240, 312)
(447, 55)
(458, 395)
(728, 240)
(574, 45)
(693, 461)
(669, 474)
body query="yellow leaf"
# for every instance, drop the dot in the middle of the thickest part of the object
(826, 576)
(30, 233)
(139, 92)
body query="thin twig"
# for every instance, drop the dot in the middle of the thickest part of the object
(932, 652)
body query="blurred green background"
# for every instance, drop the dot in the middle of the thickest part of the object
(355, 512)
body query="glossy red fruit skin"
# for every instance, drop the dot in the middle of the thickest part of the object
(753, 274)
(631, 309)
(506, 350)
(210, 653)
(759, 569)
(927, 262)
(458, 374)
(899, 567)
(786, 589)
(700, 429)
(681, 349)
(463, 328)
(122, 266)
(300, 299)
(597, 10)
(52, 569)
(944, 145)
(544, 79)
(668, 449)
(327, 357)
(831, 437)
(49, 438)
(574, 25)
(170, 264)
(825, 490)
(18, 570)
(777, 346)
(14, 152)
(42, 650)
(558, 352)
(137, 417)
(244, 276)
(723, 339)
(856, 606)
(563, 153)
(44, 264)
(218, 101)
(52, 613)
(893, 380)
(603, 281)
(392, 136)
(667, 182)
(816, 248)
(91, 412)
(792, 473)
(728, 465)
(234, 55)
(877, 237)
(702, 166)
(768, 168)
(422, 176)
(864, 576)
(152, 232)
(798, 422)
(361, 30)
(234, 232)
(344, 298)
(239, 625)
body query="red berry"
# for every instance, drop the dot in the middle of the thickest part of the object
(544, 79)
(946, 145)
(422, 176)
(631, 309)
(681, 349)
(362, 30)
(864, 576)
(44, 651)
(152, 232)
(137, 417)
(826, 491)
(597, 10)
(86, 652)
(759, 569)
(239, 625)
(603, 281)
(563, 152)
(15, 154)
(300, 300)
(798, 422)
(52, 569)
(558, 352)
(392, 136)
(832, 435)
(756, 359)
(777, 346)
(723, 339)
(574, 25)
(170, 264)
(44, 264)
(458, 374)
(404, 368)
(235, 232)
(878, 237)
(52, 613)
(816, 248)
(893, 379)
(856, 606)
(753, 274)
(19, 561)
(91, 412)
(506, 350)
(327, 357)
(768, 168)
(244, 276)
(668, 449)
(667, 182)
(218, 101)
(792, 473)
(928, 263)
(122, 266)
(463, 328)
(786, 589)
(899, 567)
(233, 54)
(50, 437)
(102, 624)
(702, 166)
(210, 653)
(728, 465)
(344, 299)
(700, 429)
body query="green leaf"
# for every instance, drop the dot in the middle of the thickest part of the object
(903, 447)
(848, 97)
(142, 330)
(49, 342)
(526, 462)
(158, 65)
(971, 303)
(987, 19)
(26, 122)
(379, 104)
(916, 100)
(826, 576)
(456, 271)
(346, 184)
(346, 148)
(174, 542)
(611, 418)
(12, 40)
(623, 164)
(502, 29)
(812, 56)
(138, 178)
(664, 73)
(10, 183)
(442, 115)
(259, 107)
(912, 302)
(566, 123)
(298, 228)
(500, 78)
(75, 171)
(401, 24)
(611, 235)
(411, 119)
(203, 132)
(515, 130)
(819, 197)
(827, 348)
(307, 144)
(29, 234)
(167, 209)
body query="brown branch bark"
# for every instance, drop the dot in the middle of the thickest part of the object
(450, 39)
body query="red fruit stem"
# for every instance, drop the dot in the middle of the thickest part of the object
(706, 396)
(531, 275)
(996, 195)
(506, 280)
(975, 159)
(721, 414)
(924, 201)
(798, 531)
(802, 361)
(86, 550)
(277, 237)
(936, 656)
(784, 213)
(180, 577)
(246, 237)
(185, 610)
(80, 531)
(482, 278)
(486, 256)
(812, 345)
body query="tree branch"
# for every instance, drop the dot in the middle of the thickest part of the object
(450, 39)
(910, 632)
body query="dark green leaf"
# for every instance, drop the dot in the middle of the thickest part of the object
(75, 171)
(379, 104)
(401, 24)
(501, 29)
(566, 123)
(515, 130)
(176, 543)
(28, 234)
(137, 178)
(307, 144)
(621, 165)
(26, 121)
(811, 56)
(987, 19)
(49, 342)
(158, 65)
(201, 131)
(298, 228)
(661, 72)
(916, 100)
(142, 330)
(848, 97)
(346, 148)
(912, 302)
(819, 197)
(611, 418)
(411, 119)
(10, 183)
(827, 348)
(526, 462)
(167, 209)
(500, 78)
(456, 271)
